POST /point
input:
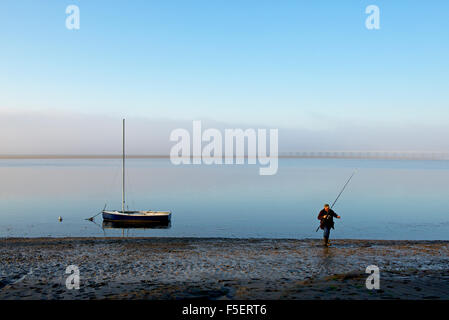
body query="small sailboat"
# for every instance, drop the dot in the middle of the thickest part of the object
(124, 216)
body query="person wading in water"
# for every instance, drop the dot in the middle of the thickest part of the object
(326, 217)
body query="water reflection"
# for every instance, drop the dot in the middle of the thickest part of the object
(326, 261)
(385, 200)
(135, 225)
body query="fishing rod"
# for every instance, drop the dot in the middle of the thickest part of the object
(343, 189)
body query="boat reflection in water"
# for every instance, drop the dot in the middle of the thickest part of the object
(136, 225)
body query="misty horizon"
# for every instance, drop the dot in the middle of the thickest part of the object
(78, 134)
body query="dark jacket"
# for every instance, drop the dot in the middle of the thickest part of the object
(328, 221)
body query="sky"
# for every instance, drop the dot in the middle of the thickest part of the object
(309, 68)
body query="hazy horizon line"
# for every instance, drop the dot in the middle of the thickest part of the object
(419, 155)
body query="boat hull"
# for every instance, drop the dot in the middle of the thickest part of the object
(137, 216)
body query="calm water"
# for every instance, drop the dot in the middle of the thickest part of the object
(387, 199)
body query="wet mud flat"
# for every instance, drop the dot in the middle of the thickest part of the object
(216, 268)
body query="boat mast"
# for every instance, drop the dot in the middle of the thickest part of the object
(123, 169)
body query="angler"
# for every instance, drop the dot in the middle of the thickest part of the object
(326, 217)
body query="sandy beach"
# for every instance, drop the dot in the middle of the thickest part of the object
(215, 268)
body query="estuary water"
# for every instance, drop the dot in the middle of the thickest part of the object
(386, 199)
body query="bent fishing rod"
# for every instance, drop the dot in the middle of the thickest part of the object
(343, 189)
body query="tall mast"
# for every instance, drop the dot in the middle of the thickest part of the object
(123, 169)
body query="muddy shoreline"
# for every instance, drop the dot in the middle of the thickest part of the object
(220, 268)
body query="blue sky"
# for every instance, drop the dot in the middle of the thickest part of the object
(286, 64)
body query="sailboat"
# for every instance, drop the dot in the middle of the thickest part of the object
(134, 216)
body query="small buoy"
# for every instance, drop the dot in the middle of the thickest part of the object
(60, 218)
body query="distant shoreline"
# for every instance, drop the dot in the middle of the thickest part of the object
(287, 155)
(81, 156)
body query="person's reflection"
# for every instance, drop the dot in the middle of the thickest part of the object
(326, 262)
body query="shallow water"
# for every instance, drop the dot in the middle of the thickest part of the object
(387, 199)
